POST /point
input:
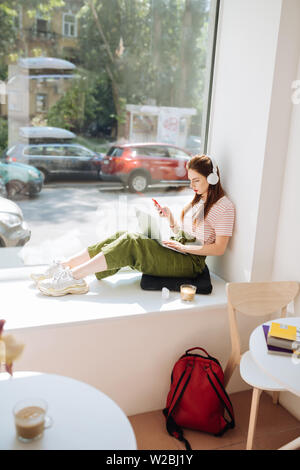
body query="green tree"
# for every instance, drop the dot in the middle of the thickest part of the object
(130, 51)
(3, 134)
(11, 40)
(84, 104)
(149, 50)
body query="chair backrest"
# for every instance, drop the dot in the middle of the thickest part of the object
(261, 298)
(255, 299)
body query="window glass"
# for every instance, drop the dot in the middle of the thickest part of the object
(33, 150)
(77, 151)
(55, 150)
(115, 152)
(69, 25)
(41, 26)
(153, 151)
(174, 152)
(93, 77)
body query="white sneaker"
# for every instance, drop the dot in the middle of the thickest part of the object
(54, 268)
(63, 283)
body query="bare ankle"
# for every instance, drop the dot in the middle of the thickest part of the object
(76, 275)
(66, 264)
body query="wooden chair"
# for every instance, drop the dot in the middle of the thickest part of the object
(255, 299)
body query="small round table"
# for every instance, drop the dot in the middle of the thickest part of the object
(284, 369)
(83, 417)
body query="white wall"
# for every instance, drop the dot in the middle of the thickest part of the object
(287, 252)
(256, 141)
(275, 162)
(130, 359)
(247, 45)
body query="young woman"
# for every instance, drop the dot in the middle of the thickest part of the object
(204, 230)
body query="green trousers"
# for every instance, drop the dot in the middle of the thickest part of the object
(145, 255)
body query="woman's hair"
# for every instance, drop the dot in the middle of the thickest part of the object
(203, 165)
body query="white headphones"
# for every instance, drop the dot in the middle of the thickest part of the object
(213, 177)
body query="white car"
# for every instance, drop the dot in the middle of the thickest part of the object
(13, 230)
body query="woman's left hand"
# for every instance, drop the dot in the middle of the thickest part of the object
(173, 244)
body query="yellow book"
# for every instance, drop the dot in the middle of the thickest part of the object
(280, 330)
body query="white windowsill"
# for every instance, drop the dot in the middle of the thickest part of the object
(118, 296)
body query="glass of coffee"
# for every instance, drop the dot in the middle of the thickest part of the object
(31, 419)
(187, 292)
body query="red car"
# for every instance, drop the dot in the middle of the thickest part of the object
(138, 165)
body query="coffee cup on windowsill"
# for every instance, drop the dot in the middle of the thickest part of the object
(187, 292)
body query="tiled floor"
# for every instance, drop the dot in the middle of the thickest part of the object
(275, 427)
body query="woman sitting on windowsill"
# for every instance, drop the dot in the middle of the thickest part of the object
(211, 216)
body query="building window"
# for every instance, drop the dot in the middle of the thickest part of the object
(69, 25)
(41, 26)
(41, 103)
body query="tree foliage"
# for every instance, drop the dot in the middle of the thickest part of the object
(3, 134)
(129, 51)
(152, 51)
(86, 107)
(10, 40)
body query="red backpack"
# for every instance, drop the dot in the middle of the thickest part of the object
(197, 398)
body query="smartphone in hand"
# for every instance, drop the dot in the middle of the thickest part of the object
(158, 206)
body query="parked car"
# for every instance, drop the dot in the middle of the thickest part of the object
(57, 158)
(52, 151)
(138, 165)
(20, 179)
(13, 230)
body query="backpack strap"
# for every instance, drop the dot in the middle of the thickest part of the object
(223, 397)
(172, 427)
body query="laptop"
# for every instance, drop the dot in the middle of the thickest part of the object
(149, 227)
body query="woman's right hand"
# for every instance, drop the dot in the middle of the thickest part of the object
(164, 212)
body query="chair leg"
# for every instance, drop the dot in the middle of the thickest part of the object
(275, 397)
(253, 417)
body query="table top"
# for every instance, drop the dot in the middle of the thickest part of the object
(285, 369)
(83, 417)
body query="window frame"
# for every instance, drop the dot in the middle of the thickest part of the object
(211, 61)
(64, 22)
(39, 33)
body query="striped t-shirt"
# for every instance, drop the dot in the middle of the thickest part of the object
(218, 222)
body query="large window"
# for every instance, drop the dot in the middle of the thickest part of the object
(69, 25)
(107, 100)
(42, 27)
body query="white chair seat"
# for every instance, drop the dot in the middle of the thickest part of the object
(254, 375)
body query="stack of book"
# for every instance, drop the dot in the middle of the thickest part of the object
(282, 339)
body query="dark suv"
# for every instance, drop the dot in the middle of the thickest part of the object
(56, 158)
(138, 165)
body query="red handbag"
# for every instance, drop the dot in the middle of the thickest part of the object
(197, 398)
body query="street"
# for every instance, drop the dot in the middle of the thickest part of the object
(66, 217)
